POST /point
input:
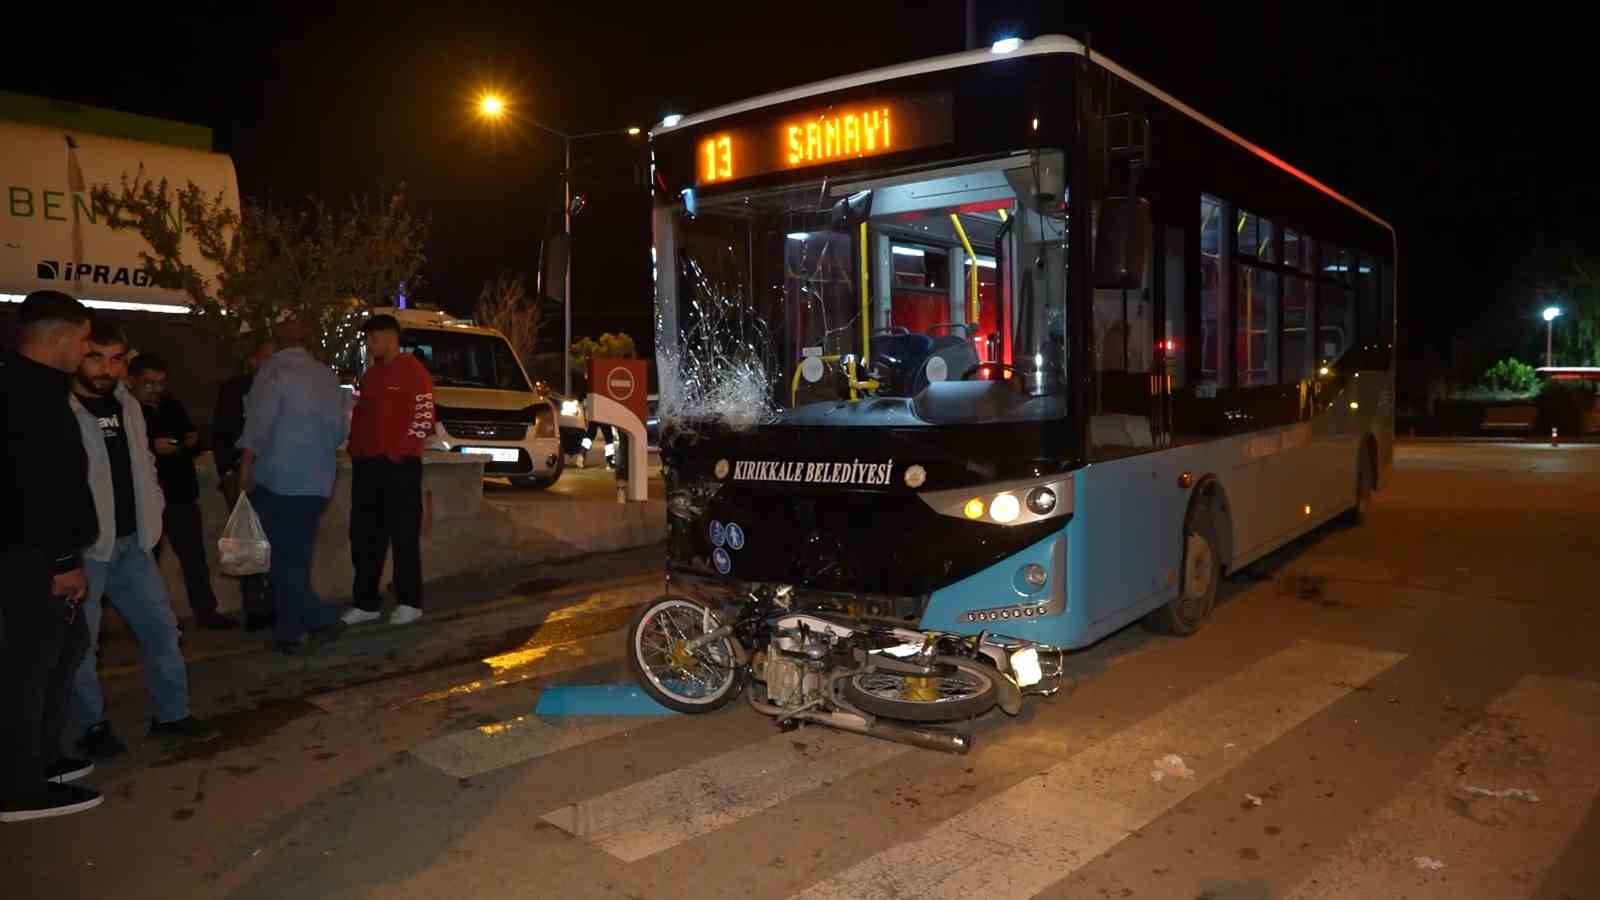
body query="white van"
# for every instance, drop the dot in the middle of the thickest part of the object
(484, 402)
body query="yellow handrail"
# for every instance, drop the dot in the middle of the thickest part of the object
(866, 303)
(972, 276)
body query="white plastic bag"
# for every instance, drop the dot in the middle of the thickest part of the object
(243, 547)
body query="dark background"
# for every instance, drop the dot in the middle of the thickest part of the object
(1466, 127)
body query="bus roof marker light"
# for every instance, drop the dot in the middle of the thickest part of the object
(670, 121)
(798, 235)
(1006, 45)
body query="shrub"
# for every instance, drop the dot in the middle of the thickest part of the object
(1510, 375)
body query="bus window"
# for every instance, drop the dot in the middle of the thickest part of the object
(1336, 322)
(1256, 312)
(1296, 348)
(1122, 354)
(1210, 285)
(1174, 340)
(1255, 237)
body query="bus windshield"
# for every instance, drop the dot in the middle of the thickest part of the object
(935, 297)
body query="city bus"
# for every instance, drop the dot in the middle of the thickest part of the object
(1009, 342)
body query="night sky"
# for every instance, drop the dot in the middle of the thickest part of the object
(1469, 133)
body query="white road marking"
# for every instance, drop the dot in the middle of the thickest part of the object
(650, 816)
(486, 748)
(1037, 832)
(1473, 809)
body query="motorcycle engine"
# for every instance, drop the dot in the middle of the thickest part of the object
(795, 668)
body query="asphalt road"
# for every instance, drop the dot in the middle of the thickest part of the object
(1409, 709)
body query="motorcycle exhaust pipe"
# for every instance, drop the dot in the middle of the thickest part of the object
(926, 738)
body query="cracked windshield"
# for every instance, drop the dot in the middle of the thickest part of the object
(926, 298)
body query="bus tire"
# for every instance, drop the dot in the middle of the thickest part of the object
(1366, 482)
(1200, 573)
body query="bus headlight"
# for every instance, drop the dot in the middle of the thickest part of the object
(1004, 508)
(1041, 500)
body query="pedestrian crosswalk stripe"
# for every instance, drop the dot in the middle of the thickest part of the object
(650, 816)
(1038, 831)
(1494, 809)
(486, 748)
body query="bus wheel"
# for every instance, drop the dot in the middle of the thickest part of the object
(1199, 574)
(1366, 479)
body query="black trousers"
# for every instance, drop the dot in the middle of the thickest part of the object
(39, 652)
(185, 531)
(385, 513)
(253, 596)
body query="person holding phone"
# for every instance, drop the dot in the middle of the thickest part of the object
(47, 517)
(174, 440)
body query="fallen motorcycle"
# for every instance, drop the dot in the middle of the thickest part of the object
(817, 660)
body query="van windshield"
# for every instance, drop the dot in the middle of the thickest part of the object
(465, 359)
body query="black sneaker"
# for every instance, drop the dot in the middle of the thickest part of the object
(99, 743)
(321, 637)
(68, 769)
(215, 621)
(258, 622)
(55, 800)
(187, 730)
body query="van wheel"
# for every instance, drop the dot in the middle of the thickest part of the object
(1200, 572)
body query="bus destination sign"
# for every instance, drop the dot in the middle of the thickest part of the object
(837, 133)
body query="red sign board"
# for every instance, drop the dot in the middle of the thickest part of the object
(623, 380)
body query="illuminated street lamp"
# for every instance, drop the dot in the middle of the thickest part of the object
(493, 108)
(1550, 314)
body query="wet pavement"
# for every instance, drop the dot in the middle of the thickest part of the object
(1408, 709)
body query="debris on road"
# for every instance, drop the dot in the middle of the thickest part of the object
(1252, 800)
(1428, 863)
(1170, 765)
(1506, 794)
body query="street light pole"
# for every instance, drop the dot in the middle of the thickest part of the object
(566, 289)
(494, 108)
(1550, 314)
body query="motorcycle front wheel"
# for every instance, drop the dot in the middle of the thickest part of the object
(687, 680)
(958, 691)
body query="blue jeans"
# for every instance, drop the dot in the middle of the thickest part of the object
(290, 521)
(138, 592)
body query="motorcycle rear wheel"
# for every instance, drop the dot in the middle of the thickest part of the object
(963, 691)
(686, 681)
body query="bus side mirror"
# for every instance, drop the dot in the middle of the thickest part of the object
(1122, 244)
(553, 255)
(851, 211)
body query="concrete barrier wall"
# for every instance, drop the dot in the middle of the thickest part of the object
(466, 532)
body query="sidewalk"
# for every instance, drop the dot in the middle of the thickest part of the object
(446, 599)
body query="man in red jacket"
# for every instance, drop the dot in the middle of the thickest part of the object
(393, 416)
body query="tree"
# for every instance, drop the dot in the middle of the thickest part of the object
(504, 306)
(609, 346)
(1580, 288)
(1511, 376)
(314, 264)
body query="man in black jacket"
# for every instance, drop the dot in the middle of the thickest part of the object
(226, 427)
(48, 519)
(173, 440)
